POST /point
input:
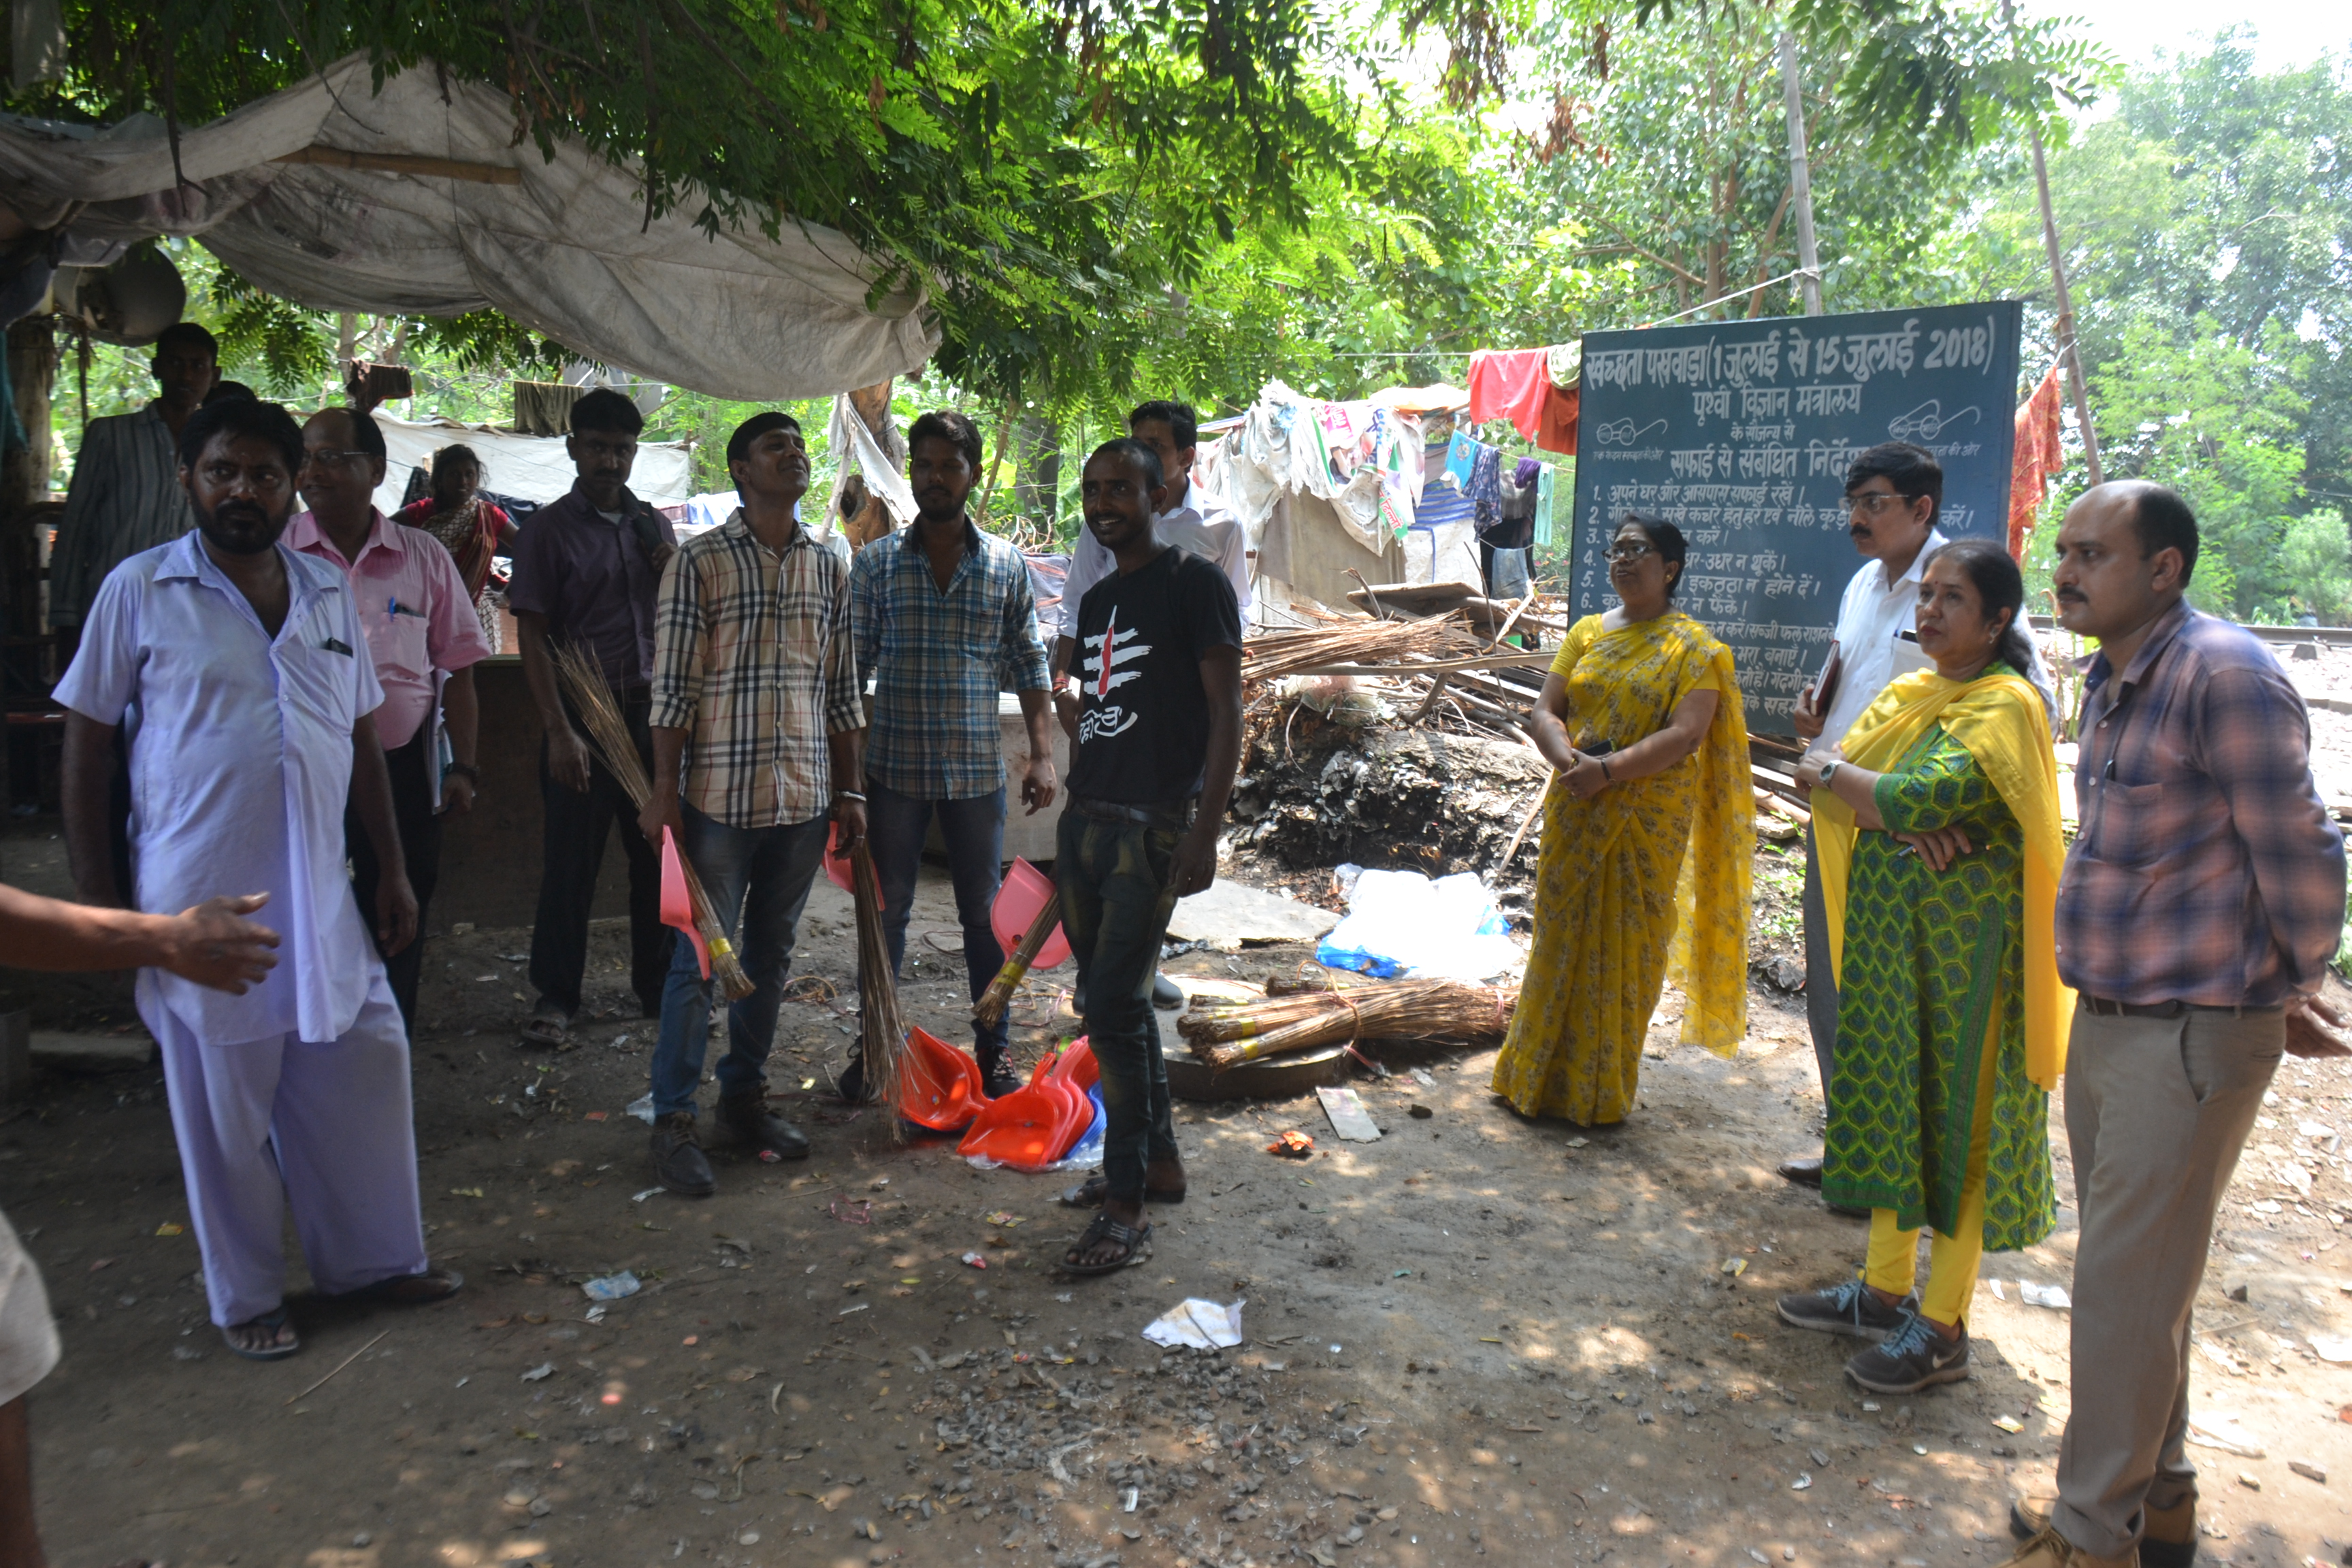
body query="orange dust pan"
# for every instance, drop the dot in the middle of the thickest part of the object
(1022, 894)
(1078, 1068)
(938, 1086)
(1033, 1127)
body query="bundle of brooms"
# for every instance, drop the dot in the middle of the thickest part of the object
(1228, 1035)
(1359, 641)
(608, 732)
(882, 1035)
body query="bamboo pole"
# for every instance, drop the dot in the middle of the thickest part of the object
(2067, 349)
(1801, 177)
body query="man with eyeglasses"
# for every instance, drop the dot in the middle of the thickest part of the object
(586, 570)
(1894, 493)
(424, 639)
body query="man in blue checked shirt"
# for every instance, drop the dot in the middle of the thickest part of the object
(943, 619)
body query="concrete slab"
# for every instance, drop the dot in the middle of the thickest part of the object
(1233, 912)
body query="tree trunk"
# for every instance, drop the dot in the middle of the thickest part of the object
(1038, 490)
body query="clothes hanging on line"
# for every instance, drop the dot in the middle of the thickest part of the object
(1510, 383)
(1556, 425)
(2036, 457)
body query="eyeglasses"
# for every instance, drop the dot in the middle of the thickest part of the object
(1630, 549)
(1874, 505)
(325, 459)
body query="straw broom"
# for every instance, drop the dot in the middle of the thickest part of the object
(1406, 1009)
(989, 1011)
(882, 1039)
(608, 732)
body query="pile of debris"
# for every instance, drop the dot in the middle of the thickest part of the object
(1398, 739)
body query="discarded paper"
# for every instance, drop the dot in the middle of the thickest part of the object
(1197, 1325)
(2034, 1295)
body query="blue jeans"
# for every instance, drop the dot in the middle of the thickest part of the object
(758, 879)
(975, 831)
(1118, 888)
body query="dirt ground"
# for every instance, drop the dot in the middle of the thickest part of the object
(1477, 1337)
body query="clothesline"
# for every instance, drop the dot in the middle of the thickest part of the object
(1662, 320)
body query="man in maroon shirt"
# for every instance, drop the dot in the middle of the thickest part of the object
(585, 573)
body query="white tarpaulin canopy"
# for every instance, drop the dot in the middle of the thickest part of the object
(529, 467)
(416, 200)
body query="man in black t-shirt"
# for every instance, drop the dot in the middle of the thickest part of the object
(1159, 715)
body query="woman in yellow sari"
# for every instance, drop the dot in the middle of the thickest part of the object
(1649, 837)
(1937, 822)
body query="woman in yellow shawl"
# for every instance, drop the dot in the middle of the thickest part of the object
(1937, 823)
(1649, 838)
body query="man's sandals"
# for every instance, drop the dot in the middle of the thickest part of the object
(547, 1027)
(1133, 1242)
(1090, 1194)
(400, 1290)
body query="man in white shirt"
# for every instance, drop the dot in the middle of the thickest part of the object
(245, 674)
(1892, 494)
(1190, 521)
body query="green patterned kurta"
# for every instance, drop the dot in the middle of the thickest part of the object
(1928, 955)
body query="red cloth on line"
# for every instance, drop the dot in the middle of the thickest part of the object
(1556, 423)
(1510, 383)
(2035, 458)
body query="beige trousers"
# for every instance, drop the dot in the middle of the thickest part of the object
(2156, 1111)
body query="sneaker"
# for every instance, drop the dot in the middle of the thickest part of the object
(1853, 1308)
(2167, 1539)
(1915, 1356)
(680, 1163)
(746, 1115)
(997, 1078)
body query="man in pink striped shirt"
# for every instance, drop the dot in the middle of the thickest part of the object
(424, 638)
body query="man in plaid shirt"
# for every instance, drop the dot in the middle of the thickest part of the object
(755, 696)
(2199, 908)
(945, 619)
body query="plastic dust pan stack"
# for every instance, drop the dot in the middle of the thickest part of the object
(938, 1086)
(882, 1041)
(1030, 1127)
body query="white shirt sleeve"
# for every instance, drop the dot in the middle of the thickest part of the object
(1232, 558)
(104, 676)
(1090, 562)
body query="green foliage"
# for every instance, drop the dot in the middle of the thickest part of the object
(2208, 233)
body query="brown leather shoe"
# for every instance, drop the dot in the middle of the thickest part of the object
(2051, 1550)
(2167, 1539)
(680, 1163)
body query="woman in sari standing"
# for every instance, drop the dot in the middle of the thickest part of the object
(472, 529)
(1937, 827)
(1648, 839)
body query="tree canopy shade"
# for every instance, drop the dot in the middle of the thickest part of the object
(1046, 171)
(1037, 168)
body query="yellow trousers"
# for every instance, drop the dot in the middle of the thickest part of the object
(1952, 1260)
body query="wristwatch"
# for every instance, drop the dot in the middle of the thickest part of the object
(1829, 771)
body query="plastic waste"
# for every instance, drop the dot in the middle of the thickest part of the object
(1401, 923)
(611, 1287)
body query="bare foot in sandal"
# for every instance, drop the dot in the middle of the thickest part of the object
(1164, 1182)
(266, 1337)
(1117, 1237)
(549, 1025)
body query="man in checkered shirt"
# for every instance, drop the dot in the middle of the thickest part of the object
(757, 732)
(944, 620)
(2198, 910)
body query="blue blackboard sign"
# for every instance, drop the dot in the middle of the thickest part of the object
(1739, 433)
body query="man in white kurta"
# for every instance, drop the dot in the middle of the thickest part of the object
(243, 747)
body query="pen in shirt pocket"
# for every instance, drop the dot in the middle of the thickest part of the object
(395, 607)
